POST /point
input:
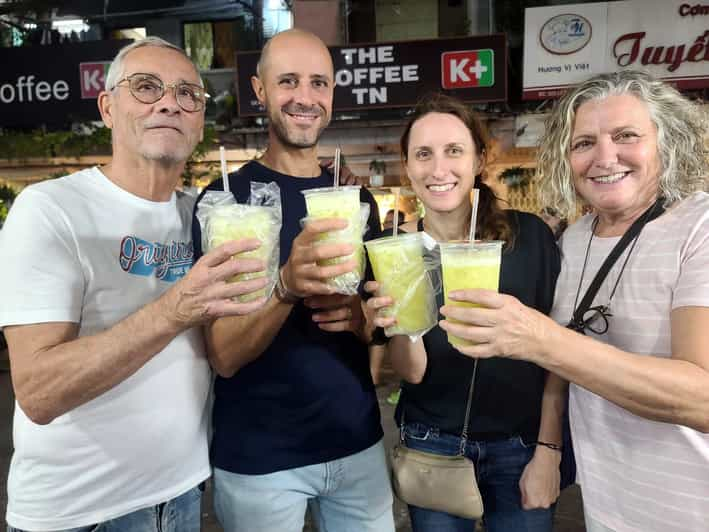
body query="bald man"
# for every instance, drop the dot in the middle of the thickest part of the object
(296, 417)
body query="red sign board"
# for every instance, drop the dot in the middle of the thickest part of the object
(93, 77)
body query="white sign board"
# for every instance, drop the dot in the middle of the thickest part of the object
(564, 45)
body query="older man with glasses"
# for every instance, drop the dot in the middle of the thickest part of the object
(100, 308)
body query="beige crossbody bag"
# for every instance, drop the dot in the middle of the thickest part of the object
(435, 482)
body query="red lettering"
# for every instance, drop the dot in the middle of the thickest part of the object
(627, 50)
(630, 57)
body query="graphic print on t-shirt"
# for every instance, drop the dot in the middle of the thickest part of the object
(168, 262)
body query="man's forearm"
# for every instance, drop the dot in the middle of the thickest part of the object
(69, 371)
(235, 341)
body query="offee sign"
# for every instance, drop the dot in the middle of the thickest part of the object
(53, 84)
(565, 44)
(398, 74)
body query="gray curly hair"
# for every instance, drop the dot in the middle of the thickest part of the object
(681, 129)
(117, 67)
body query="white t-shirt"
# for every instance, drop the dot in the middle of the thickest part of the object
(80, 249)
(639, 475)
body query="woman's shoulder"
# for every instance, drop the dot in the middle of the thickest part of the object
(530, 226)
(693, 206)
(526, 219)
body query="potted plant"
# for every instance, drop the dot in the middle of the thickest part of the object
(378, 169)
(516, 176)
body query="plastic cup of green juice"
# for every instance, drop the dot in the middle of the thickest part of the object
(339, 202)
(469, 265)
(398, 265)
(236, 222)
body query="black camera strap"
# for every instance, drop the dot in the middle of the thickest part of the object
(655, 210)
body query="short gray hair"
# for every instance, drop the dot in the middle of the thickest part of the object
(681, 130)
(117, 68)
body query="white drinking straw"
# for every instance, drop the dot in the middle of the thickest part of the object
(473, 216)
(225, 175)
(396, 211)
(337, 167)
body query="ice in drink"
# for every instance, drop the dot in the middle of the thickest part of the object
(340, 202)
(238, 221)
(399, 268)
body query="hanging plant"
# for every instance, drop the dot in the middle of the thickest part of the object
(516, 176)
(377, 167)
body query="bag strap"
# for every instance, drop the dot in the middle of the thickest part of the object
(464, 435)
(471, 389)
(655, 210)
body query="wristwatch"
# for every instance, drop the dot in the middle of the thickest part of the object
(282, 293)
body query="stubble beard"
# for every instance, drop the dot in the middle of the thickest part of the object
(295, 139)
(165, 158)
(167, 155)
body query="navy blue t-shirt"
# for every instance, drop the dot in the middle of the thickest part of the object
(308, 398)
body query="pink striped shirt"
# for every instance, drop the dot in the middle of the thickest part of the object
(639, 475)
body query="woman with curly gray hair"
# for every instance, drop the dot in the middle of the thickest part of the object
(632, 148)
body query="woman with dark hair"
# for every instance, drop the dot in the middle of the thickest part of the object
(514, 430)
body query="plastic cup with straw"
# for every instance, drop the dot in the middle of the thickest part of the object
(398, 266)
(237, 221)
(467, 264)
(339, 202)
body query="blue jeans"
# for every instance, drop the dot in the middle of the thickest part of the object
(499, 466)
(352, 494)
(181, 514)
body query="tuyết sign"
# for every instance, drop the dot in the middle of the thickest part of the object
(564, 45)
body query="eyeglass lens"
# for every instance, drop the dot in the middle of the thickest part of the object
(596, 319)
(147, 88)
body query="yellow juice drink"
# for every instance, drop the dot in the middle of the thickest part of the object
(236, 222)
(465, 266)
(339, 202)
(398, 266)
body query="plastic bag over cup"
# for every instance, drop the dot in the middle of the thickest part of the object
(408, 275)
(341, 202)
(222, 219)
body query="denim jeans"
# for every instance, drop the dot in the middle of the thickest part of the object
(352, 494)
(499, 466)
(181, 514)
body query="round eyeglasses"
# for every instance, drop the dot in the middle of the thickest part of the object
(147, 88)
(595, 319)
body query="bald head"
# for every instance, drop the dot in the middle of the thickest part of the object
(295, 84)
(291, 42)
